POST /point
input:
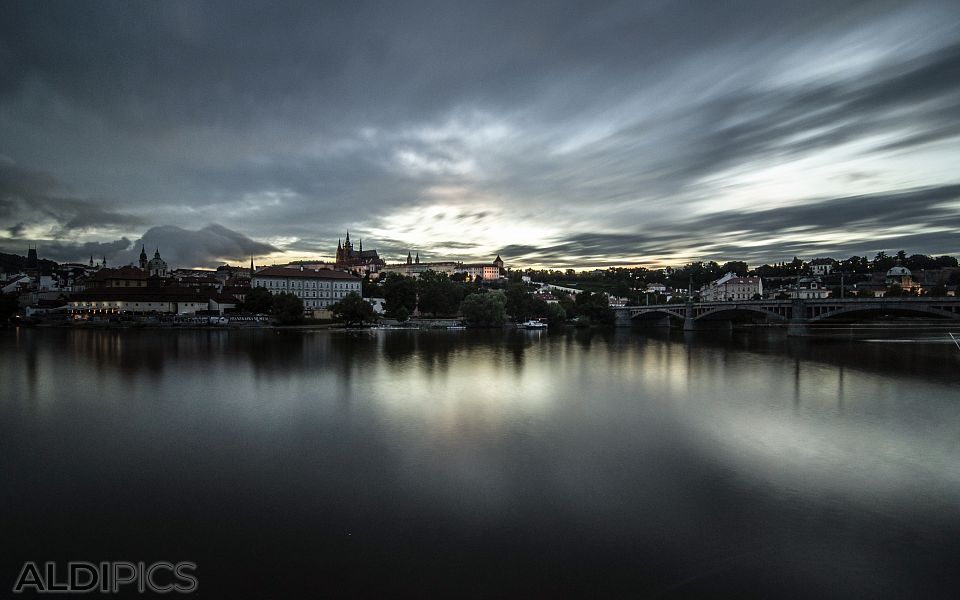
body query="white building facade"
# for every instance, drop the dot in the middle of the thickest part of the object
(317, 288)
(730, 287)
(809, 288)
(821, 267)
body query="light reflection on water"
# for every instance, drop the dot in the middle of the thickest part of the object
(582, 462)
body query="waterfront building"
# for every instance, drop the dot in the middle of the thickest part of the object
(483, 271)
(317, 288)
(730, 287)
(616, 301)
(123, 277)
(822, 267)
(808, 288)
(903, 277)
(198, 281)
(170, 300)
(656, 288)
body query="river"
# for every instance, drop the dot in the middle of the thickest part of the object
(476, 463)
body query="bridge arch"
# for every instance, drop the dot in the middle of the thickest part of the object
(740, 309)
(899, 308)
(656, 313)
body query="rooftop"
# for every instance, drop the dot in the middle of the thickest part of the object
(304, 273)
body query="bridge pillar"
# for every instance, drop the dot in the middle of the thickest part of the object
(798, 327)
(622, 319)
(799, 323)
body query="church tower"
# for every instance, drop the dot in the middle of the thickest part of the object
(143, 258)
(409, 257)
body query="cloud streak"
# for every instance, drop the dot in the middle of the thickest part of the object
(601, 133)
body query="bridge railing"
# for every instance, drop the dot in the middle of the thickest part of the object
(773, 302)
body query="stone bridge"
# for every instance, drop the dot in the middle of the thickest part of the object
(796, 314)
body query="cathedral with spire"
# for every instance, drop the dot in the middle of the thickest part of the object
(155, 267)
(357, 260)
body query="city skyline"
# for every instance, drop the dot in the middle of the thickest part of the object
(557, 136)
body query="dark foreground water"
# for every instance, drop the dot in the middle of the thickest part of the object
(305, 464)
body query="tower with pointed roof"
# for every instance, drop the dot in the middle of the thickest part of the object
(143, 257)
(157, 267)
(358, 260)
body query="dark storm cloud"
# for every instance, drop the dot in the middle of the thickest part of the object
(41, 200)
(927, 206)
(911, 219)
(294, 121)
(698, 140)
(212, 244)
(73, 252)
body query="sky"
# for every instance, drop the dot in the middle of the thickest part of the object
(559, 134)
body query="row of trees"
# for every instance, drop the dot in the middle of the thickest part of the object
(433, 293)
(287, 308)
(629, 282)
(436, 294)
(487, 309)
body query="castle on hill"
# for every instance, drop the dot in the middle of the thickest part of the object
(357, 260)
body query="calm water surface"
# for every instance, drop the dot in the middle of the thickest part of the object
(583, 463)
